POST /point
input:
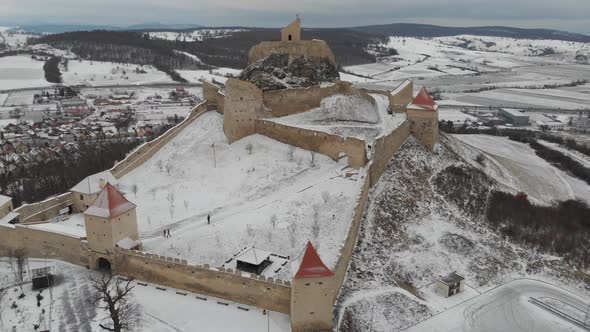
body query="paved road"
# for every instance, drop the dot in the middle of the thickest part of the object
(506, 308)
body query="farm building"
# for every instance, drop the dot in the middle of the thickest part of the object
(514, 116)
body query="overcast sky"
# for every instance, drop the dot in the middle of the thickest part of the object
(570, 15)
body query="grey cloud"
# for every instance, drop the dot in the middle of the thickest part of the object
(563, 14)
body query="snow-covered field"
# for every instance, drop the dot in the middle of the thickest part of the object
(196, 35)
(13, 39)
(82, 72)
(454, 115)
(21, 71)
(162, 311)
(218, 74)
(348, 116)
(523, 169)
(463, 67)
(243, 192)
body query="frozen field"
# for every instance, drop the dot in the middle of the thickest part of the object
(162, 311)
(243, 193)
(454, 115)
(219, 74)
(107, 73)
(530, 173)
(196, 35)
(21, 71)
(545, 98)
(506, 308)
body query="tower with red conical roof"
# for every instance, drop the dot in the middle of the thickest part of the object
(111, 219)
(423, 115)
(313, 292)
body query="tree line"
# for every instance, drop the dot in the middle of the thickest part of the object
(123, 47)
(36, 182)
(562, 229)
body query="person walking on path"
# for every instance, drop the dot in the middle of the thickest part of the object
(208, 219)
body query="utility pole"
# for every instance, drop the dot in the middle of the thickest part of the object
(214, 159)
(371, 325)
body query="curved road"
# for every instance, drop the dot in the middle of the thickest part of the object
(506, 308)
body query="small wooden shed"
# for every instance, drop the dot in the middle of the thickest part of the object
(449, 285)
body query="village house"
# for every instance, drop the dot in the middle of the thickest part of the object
(449, 285)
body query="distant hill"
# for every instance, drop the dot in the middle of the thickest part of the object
(61, 28)
(426, 30)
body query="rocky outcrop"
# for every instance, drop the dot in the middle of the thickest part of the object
(279, 71)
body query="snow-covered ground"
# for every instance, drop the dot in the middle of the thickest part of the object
(162, 311)
(218, 74)
(348, 116)
(196, 35)
(523, 169)
(455, 115)
(14, 39)
(83, 72)
(243, 192)
(507, 308)
(21, 71)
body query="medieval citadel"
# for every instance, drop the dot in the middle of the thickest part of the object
(277, 96)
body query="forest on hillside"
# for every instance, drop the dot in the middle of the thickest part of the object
(232, 51)
(123, 47)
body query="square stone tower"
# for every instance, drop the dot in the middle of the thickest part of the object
(423, 113)
(292, 32)
(313, 292)
(110, 219)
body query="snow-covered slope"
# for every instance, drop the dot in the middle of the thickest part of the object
(425, 219)
(244, 192)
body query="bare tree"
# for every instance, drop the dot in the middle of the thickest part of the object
(18, 261)
(170, 198)
(325, 196)
(134, 188)
(2, 293)
(169, 167)
(249, 148)
(315, 227)
(293, 233)
(291, 153)
(115, 295)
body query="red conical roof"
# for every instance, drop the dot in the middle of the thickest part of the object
(424, 100)
(110, 203)
(312, 265)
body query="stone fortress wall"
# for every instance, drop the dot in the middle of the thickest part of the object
(309, 301)
(333, 146)
(41, 244)
(232, 285)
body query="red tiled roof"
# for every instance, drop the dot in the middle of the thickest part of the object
(424, 100)
(110, 203)
(312, 265)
